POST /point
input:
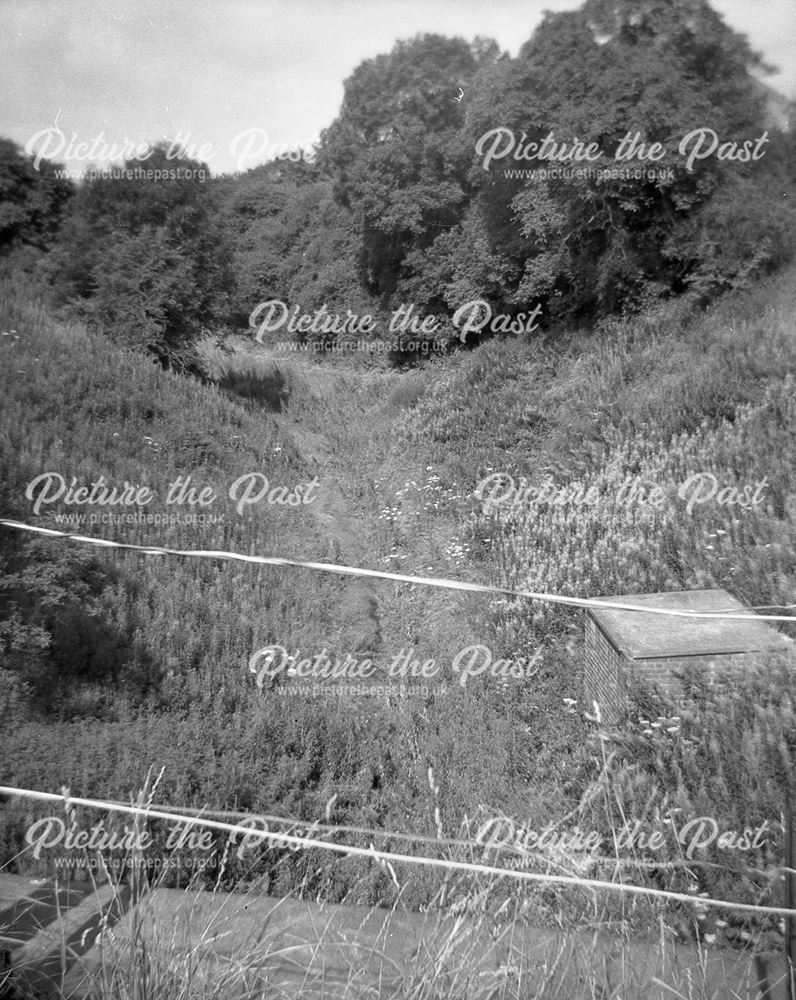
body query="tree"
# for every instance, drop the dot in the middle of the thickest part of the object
(146, 259)
(397, 153)
(143, 288)
(659, 69)
(32, 200)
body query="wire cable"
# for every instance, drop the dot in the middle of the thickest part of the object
(385, 857)
(478, 588)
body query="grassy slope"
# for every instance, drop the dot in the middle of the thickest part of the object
(398, 458)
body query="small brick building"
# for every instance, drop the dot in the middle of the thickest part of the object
(656, 648)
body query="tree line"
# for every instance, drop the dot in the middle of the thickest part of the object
(396, 205)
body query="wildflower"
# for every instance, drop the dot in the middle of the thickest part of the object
(597, 717)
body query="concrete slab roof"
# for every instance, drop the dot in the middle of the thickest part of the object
(640, 636)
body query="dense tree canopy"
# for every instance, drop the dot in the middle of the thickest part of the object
(428, 188)
(397, 151)
(144, 258)
(32, 200)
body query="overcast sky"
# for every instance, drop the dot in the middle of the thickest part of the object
(142, 70)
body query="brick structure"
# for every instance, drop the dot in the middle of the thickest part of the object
(656, 649)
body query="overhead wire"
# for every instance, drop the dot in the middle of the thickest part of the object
(580, 602)
(389, 857)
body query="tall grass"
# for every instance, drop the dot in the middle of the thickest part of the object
(115, 661)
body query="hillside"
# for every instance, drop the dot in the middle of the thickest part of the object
(319, 463)
(120, 664)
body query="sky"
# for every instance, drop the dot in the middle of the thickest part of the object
(241, 80)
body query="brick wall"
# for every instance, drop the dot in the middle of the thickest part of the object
(603, 677)
(665, 673)
(607, 672)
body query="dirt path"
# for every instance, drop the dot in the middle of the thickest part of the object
(310, 393)
(341, 526)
